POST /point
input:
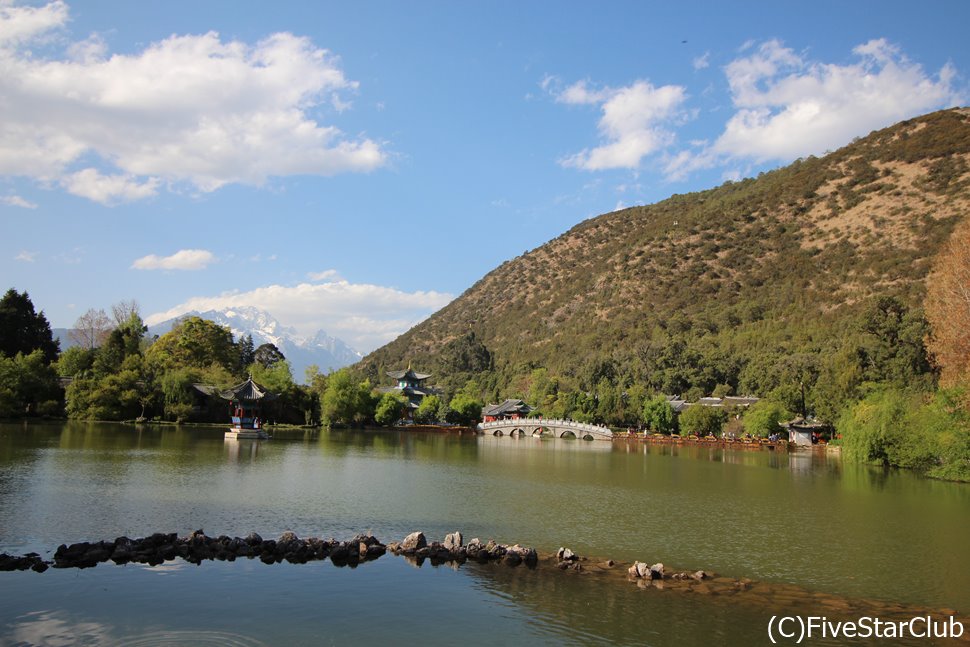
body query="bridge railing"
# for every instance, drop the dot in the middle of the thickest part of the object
(545, 422)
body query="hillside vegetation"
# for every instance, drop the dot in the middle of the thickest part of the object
(811, 275)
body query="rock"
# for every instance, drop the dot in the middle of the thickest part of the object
(339, 554)
(414, 542)
(610, 563)
(566, 554)
(657, 571)
(253, 539)
(453, 541)
(375, 551)
(527, 555)
(699, 575)
(639, 570)
(512, 558)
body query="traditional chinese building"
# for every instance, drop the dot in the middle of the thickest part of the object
(411, 386)
(508, 410)
(246, 402)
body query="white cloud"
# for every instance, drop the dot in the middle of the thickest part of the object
(192, 109)
(702, 62)
(363, 315)
(789, 107)
(186, 259)
(632, 124)
(17, 201)
(109, 189)
(324, 275)
(21, 24)
(26, 257)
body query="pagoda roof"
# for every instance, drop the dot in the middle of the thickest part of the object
(509, 406)
(248, 390)
(408, 373)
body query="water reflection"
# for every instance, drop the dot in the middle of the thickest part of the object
(769, 515)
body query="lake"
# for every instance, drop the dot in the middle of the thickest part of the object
(807, 525)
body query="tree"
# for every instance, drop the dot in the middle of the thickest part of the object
(464, 410)
(347, 399)
(75, 361)
(948, 308)
(277, 377)
(124, 312)
(22, 330)
(91, 329)
(659, 415)
(427, 411)
(247, 353)
(26, 383)
(194, 342)
(702, 421)
(762, 418)
(390, 409)
(267, 355)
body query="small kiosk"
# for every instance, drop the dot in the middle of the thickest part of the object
(246, 408)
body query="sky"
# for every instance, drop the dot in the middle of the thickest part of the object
(354, 166)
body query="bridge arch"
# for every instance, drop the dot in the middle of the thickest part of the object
(542, 427)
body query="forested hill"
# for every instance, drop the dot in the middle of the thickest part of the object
(754, 285)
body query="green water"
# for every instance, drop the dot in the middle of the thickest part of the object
(802, 519)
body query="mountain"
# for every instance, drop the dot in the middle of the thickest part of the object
(750, 285)
(323, 350)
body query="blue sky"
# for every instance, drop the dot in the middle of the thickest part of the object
(354, 166)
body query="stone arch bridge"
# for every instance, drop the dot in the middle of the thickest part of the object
(544, 427)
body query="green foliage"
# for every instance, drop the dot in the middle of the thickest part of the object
(22, 330)
(176, 387)
(247, 352)
(390, 408)
(762, 418)
(194, 342)
(658, 415)
(464, 409)
(75, 361)
(26, 381)
(702, 421)
(905, 429)
(276, 376)
(347, 399)
(267, 355)
(427, 411)
(117, 396)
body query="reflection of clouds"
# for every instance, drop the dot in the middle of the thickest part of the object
(54, 628)
(167, 568)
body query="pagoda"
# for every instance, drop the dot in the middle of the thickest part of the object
(409, 384)
(245, 405)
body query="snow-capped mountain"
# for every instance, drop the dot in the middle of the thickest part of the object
(328, 353)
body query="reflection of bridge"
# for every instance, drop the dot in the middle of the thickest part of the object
(544, 427)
